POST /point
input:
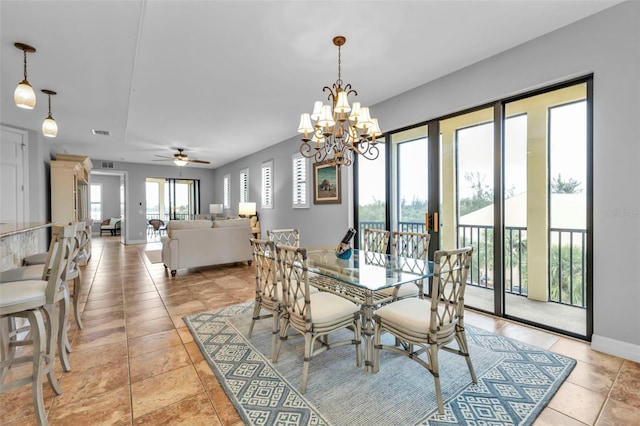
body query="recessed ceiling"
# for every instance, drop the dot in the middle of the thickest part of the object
(224, 79)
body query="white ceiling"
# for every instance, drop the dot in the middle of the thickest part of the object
(225, 79)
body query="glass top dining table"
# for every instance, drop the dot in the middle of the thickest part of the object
(360, 279)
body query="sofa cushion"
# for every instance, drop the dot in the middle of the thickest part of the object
(175, 225)
(231, 223)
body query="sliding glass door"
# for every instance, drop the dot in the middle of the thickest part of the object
(511, 179)
(545, 209)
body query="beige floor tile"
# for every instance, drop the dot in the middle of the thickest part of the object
(551, 417)
(109, 408)
(616, 413)
(154, 363)
(578, 403)
(192, 411)
(91, 382)
(164, 389)
(154, 342)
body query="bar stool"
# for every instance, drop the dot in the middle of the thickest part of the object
(71, 272)
(35, 300)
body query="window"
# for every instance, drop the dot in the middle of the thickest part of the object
(96, 202)
(244, 185)
(300, 192)
(227, 191)
(267, 185)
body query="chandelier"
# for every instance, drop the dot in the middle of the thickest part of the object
(340, 131)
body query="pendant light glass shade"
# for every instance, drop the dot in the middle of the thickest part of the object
(24, 96)
(49, 126)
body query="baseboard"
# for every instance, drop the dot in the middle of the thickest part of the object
(615, 347)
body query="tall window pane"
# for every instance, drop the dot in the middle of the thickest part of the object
(96, 202)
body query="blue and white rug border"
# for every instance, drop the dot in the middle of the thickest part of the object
(448, 418)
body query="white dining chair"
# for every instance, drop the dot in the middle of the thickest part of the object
(268, 288)
(429, 324)
(285, 236)
(315, 315)
(376, 240)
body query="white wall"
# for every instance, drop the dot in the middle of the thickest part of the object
(607, 45)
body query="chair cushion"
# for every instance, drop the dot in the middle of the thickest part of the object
(113, 221)
(36, 259)
(405, 290)
(17, 296)
(328, 307)
(411, 314)
(31, 272)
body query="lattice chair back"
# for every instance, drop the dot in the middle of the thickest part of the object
(295, 285)
(287, 237)
(410, 244)
(264, 255)
(376, 240)
(447, 293)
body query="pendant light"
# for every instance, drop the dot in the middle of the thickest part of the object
(24, 96)
(49, 126)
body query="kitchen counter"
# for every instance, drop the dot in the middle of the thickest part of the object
(19, 240)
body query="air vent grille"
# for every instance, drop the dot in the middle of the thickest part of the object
(100, 132)
(107, 164)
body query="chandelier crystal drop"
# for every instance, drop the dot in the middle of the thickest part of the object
(340, 130)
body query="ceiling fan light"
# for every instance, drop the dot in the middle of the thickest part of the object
(49, 127)
(180, 162)
(24, 96)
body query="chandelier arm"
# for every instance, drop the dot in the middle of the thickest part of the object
(366, 149)
(338, 143)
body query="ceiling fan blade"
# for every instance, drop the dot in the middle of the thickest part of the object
(165, 159)
(199, 161)
(162, 156)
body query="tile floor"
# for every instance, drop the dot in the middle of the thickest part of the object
(135, 361)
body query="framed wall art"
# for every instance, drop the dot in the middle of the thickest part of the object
(326, 184)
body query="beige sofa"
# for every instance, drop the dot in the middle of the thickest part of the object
(194, 243)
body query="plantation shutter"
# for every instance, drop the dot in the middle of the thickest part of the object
(227, 191)
(300, 195)
(267, 185)
(244, 186)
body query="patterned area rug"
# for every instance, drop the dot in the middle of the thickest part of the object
(515, 380)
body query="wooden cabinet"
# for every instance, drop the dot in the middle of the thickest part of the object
(70, 189)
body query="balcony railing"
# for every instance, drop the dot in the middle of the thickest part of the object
(167, 217)
(567, 259)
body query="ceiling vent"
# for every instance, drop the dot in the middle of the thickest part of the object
(100, 132)
(107, 164)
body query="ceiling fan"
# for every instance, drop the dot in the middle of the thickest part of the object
(181, 159)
